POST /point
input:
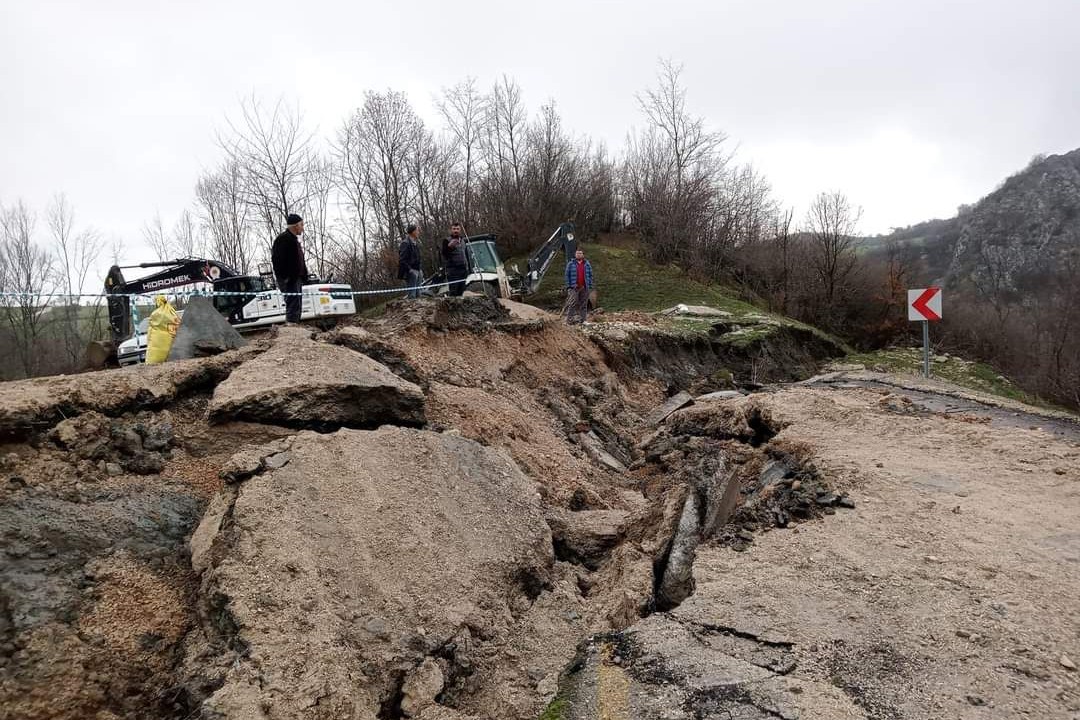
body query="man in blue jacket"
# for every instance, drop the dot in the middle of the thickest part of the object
(578, 284)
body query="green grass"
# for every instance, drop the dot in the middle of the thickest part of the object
(556, 710)
(626, 281)
(965, 373)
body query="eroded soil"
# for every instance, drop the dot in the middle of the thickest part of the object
(831, 550)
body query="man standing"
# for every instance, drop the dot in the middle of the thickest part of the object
(578, 285)
(410, 267)
(290, 270)
(455, 261)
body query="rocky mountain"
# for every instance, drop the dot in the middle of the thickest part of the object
(1022, 230)
(1014, 236)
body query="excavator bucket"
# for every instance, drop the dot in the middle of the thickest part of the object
(100, 354)
(203, 331)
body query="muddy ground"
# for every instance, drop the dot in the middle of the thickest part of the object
(838, 549)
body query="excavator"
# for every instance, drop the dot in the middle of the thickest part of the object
(256, 302)
(486, 273)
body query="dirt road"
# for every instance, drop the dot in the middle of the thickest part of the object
(951, 591)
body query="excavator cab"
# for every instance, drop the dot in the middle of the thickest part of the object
(483, 257)
(487, 275)
(246, 287)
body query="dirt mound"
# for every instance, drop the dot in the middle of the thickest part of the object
(138, 445)
(374, 553)
(467, 314)
(94, 576)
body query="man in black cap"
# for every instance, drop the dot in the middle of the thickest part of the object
(290, 270)
(410, 267)
(455, 261)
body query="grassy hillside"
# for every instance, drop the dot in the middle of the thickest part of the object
(626, 281)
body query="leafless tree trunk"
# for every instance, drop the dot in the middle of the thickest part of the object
(353, 180)
(318, 233)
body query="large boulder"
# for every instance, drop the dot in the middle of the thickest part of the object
(203, 331)
(302, 383)
(360, 568)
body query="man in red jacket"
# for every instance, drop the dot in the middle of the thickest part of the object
(579, 281)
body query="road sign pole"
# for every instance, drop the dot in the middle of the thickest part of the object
(926, 348)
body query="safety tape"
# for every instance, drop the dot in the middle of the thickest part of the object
(221, 293)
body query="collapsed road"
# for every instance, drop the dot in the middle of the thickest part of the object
(465, 509)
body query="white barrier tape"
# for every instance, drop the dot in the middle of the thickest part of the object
(217, 293)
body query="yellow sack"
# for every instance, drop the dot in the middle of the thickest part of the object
(164, 323)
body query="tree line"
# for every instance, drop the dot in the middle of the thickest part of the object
(494, 164)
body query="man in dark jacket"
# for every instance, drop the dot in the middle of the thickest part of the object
(410, 268)
(290, 270)
(455, 261)
(578, 284)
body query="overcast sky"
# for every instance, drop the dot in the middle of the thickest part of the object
(911, 107)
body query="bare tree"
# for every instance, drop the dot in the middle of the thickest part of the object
(689, 142)
(353, 179)
(462, 106)
(680, 192)
(155, 236)
(384, 133)
(225, 216)
(318, 230)
(502, 139)
(27, 272)
(831, 223)
(76, 254)
(185, 237)
(273, 150)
